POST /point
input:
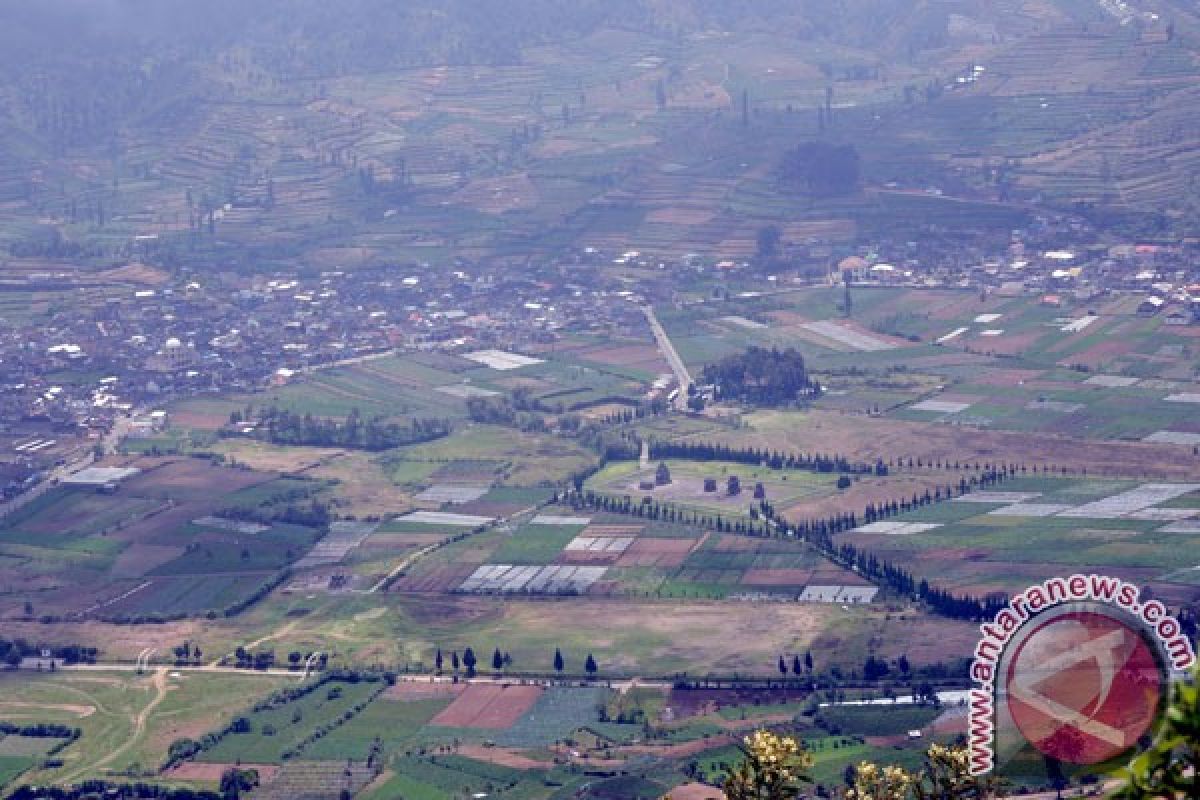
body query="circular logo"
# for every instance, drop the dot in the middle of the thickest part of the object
(1084, 686)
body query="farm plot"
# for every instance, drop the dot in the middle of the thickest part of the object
(488, 706)
(454, 495)
(501, 360)
(445, 519)
(848, 336)
(507, 578)
(557, 713)
(336, 545)
(1014, 536)
(139, 552)
(535, 544)
(282, 728)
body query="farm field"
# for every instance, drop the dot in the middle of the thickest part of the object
(154, 547)
(1041, 527)
(615, 556)
(997, 363)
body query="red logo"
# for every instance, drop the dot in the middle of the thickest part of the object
(1083, 687)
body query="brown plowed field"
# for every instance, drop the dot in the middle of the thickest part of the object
(195, 771)
(488, 706)
(777, 577)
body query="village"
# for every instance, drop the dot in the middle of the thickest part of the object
(70, 378)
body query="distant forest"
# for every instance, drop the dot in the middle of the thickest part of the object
(762, 377)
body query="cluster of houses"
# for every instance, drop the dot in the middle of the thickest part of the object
(70, 377)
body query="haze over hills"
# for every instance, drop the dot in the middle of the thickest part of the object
(379, 131)
(531, 399)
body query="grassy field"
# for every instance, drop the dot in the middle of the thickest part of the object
(127, 721)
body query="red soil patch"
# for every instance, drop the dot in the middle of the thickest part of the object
(623, 356)
(488, 706)
(1006, 344)
(1100, 354)
(409, 691)
(729, 543)
(696, 791)
(777, 577)
(656, 553)
(211, 773)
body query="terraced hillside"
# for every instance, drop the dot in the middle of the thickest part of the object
(380, 134)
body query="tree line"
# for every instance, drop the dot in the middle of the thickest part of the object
(13, 650)
(819, 533)
(812, 462)
(282, 427)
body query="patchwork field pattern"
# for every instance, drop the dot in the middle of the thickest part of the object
(488, 706)
(1148, 533)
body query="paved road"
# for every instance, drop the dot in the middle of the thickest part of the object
(621, 685)
(668, 350)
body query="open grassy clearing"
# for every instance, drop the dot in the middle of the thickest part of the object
(782, 487)
(127, 721)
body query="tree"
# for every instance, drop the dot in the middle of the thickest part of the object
(797, 668)
(1170, 767)
(662, 475)
(767, 243)
(454, 660)
(469, 662)
(945, 775)
(590, 665)
(822, 169)
(437, 661)
(772, 768)
(808, 660)
(558, 660)
(234, 781)
(497, 660)
(783, 667)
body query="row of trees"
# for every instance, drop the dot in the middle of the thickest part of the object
(374, 434)
(754, 456)
(820, 532)
(500, 662)
(13, 650)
